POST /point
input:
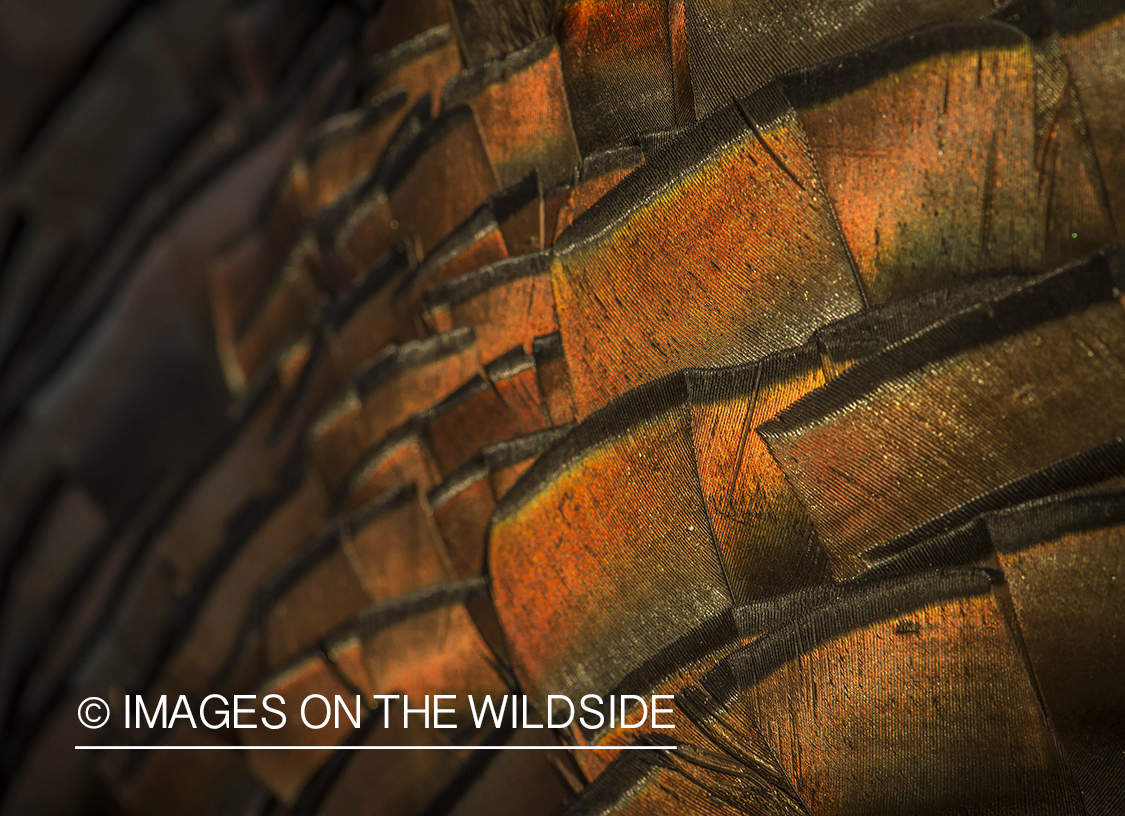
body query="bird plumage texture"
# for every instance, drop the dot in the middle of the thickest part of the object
(769, 356)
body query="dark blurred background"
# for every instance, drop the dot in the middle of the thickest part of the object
(138, 139)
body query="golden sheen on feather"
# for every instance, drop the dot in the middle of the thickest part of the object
(562, 408)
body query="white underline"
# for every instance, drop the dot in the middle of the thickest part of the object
(375, 747)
